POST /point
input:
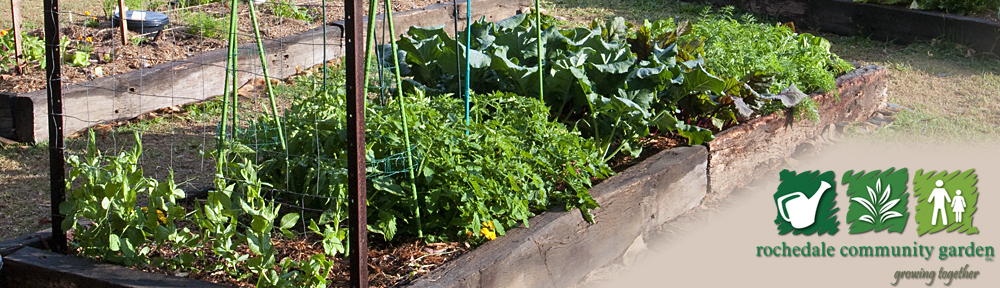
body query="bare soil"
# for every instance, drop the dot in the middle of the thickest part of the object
(174, 43)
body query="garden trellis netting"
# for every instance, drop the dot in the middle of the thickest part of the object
(221, 177)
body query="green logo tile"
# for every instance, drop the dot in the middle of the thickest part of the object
(878, 200)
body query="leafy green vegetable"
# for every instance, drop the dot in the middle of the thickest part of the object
(510, 163)
(614, 81)
(739, 48)
(79, 59)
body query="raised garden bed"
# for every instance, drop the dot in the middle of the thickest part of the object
(633, 203)
(561, 249)
(880, 22)
(200, 77)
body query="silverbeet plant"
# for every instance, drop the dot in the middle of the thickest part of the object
(878, 204)
(617, 83)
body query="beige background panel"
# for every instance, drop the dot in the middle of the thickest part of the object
(722, 253)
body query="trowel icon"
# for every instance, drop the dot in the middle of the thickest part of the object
(800, 210)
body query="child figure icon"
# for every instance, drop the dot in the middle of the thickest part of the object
(939, 196)
(958, 205)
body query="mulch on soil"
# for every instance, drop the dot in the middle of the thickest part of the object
(389, 264)
(173, 44)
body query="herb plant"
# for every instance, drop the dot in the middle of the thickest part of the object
(507, 164)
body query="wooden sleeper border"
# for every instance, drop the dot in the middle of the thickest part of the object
(560, 249)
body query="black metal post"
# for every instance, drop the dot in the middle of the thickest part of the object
(358, 215)
(57, 161)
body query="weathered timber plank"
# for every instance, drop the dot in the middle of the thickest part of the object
(755, 148)
(194, 79)
(200, 77)
(901, 25)
(30, 267)
(6, 116)
(10, 246)
(560, 248)
(444, 14)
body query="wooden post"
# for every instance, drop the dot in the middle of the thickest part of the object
(124, 23)
(357, 203)
(15, 15)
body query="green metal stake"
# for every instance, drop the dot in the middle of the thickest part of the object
(230, 69)
(267, 80)
(370, 44)
(324, 46)
(402, 109)
(468, 49)
(541, 57)
(234, 50)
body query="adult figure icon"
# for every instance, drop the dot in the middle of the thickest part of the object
(958, 205)
(939, 196)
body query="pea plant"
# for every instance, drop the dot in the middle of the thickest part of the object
(109, 224)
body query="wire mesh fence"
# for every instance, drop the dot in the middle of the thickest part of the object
(217, 150)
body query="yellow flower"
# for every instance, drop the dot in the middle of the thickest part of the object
(90, 39)
(3, 32)
(160, 217)
(86, 13)
(488, 234)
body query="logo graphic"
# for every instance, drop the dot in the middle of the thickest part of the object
(877, 200)
(806, 203)
(945, 201)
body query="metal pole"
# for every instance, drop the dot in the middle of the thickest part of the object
(358, 215)
(57, 162)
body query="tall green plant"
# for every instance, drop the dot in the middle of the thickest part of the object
(104, 190)
(512, 162)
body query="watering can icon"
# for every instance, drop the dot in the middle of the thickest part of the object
(801, 210)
